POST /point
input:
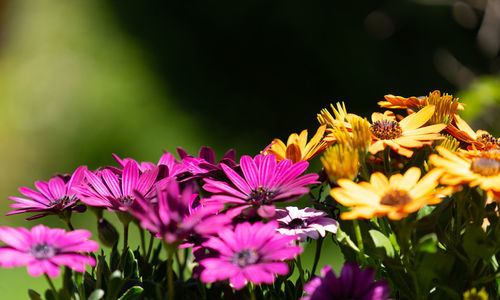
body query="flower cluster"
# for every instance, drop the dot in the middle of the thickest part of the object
(409, 199)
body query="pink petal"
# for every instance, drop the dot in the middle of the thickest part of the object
(129, 178)
(236, 179)
(17, 238)
(57, 187)
(250, 171)
(112, 182)
(14, 258)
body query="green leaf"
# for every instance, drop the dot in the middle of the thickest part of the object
(428, 243)
(131, 293)
(130, 265)
(343, 238)
(34, 295)
(381, 241)
(96, 295)
(49, 295)
(114, 284)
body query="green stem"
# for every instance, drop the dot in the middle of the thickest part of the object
(179, 266)
(52, 287)
(125, 236)
(143, 243)
(319, 244)
(359, 241)
(387, 161)
(252, 292)
(170, 271)
(70, 226)
(364, 168)
(150, 246)
(298, 262)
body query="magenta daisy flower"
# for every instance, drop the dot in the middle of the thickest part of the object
(57, 196)
(262, 183)
(173, 216)
(353, 283)
(116, 191)
(205, 165)
(304, 223)
(44, 249)
(252, 252)
(167, 164)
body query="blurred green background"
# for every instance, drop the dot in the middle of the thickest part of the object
(82, 79)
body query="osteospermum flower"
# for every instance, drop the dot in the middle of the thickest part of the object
(353, 283)
(479, 139)
(57, 196)
(304, 223)
(264, 182)
(205, 165)
(406, 134)
(116, 191)
(44, 249)
(174, 216)
(395, 197)
(297, 148)
(251, 253)
(340, 161)
(482, 169)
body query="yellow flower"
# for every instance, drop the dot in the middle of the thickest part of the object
(395, 197)
(297, 148)
(481, 169)
(405, 134)
(473, 294)
(340, 113)
(450, 143)
(340, 161)
(446, 107)
(398, 102)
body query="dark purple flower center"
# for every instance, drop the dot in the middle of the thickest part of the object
(126, 200)
(386, 129)
(261, 195)
(42, 251)
(297, 223)
(395, 198)
(65, 200)
(245, 257)
(485, 166)
(488, 139)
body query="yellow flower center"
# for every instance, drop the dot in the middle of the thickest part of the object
(386, 129)
(396, 198)
(487, 140)
(485, 166)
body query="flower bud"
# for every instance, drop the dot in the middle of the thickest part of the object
(108, 235)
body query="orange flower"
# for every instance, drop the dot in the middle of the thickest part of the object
(297, 148)
(480, 139)
(481, 169)
(395, 197)
(405, 134)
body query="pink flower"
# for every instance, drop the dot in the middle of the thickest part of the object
(173, 216)
(254, 253)
(53, 197)
(116, 191)
(352, 283)
(167, 164)
(307, 222)
(263, 182)
(44, 249)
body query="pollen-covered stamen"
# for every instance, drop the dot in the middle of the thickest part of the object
(386, 129)
(126, 200)
(485, 166)
(261, 195)
(42, 251)
(396, 198)
(245, 257)
(297, 224)
(488, 140)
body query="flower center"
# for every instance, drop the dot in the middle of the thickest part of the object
(488, 140)
(42, 251)
(485, 166)
(62, 201)
(297, 223)
(260, 195)
(126, 200)
(386, 129)
(245, 257)
(395, 198)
